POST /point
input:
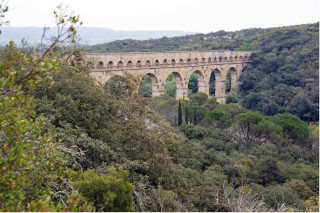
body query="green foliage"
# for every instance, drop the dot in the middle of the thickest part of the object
(108, 192)
(228, 81)
(193, 83)
(198, 99)
(145, 88)
(218, 118)
(186, 115)
(245, 47)
(170, 86)
(270, 171)
(294, 130)
(312, 204)
(179, 114)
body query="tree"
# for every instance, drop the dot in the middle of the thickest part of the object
(198, 99)
(195, 117)
(294, 130)
(34, 176)
(219, 119)
(110, 192)
(179, 114)
(186, 115)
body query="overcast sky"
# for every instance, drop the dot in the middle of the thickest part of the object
(186, 15)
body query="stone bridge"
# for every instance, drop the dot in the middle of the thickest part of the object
(158, 65)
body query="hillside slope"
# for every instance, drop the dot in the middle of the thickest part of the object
(285, 70)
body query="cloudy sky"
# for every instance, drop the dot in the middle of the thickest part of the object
(186, 15)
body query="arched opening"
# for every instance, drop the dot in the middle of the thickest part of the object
(148, 63)
(156, 63)
(220, 58)
(230, 58)
(181, 62)
(241, 58)
(174, 85)
(225, 59)
(189, 61)
(118, 86)
(203, 60)
(196, 83)
(165, 62)
(196, 61)
(215, 59)
(233, 78)
(120, 65)
(209, 60)
(228, 82)
(236, 58)
(245, 57)
(149, 86)
(100, 65)
(129, 64)
(110, 65)
(138, 64)
(173, 62)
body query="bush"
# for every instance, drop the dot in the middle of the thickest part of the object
(111, 192)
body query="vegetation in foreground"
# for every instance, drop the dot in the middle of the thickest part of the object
(68, 144)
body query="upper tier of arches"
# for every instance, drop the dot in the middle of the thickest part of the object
(146, 60)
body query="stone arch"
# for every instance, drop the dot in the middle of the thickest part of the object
(129, 64)
(220, 58)
(202, 87)
(209, 60)
(154, 84)
(100, 65)
(120, 64)
(225, 58)
(179, 85)
(188, 61)
(138, 64)
(241, 58)
(230, 58)
(181, 61)
(236, 58)
(156, 63)
(215, 59)
(110, 64)
(173, 62)
(220, 83)
(196, 60)
(203, 60)
(245, 57)
(148, 63)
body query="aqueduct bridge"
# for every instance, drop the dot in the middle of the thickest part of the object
(158, 65)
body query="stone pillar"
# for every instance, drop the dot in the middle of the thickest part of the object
(185, 93)
(220, 87)
(234, 80)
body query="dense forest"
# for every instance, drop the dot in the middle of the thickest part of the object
(70, 144)
(283, 77)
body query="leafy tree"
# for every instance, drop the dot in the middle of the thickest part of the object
(186, 115)
(193, 83)
(269, 171)
(294, 130)
(228, 81)
(198, 99)
(108, 192)
(195, 117)
(219, 119)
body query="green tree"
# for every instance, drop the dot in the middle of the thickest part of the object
(195, 117)
(186, 115)
(109, 192)
(294, 130)
(198, 99)
(179, 114)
